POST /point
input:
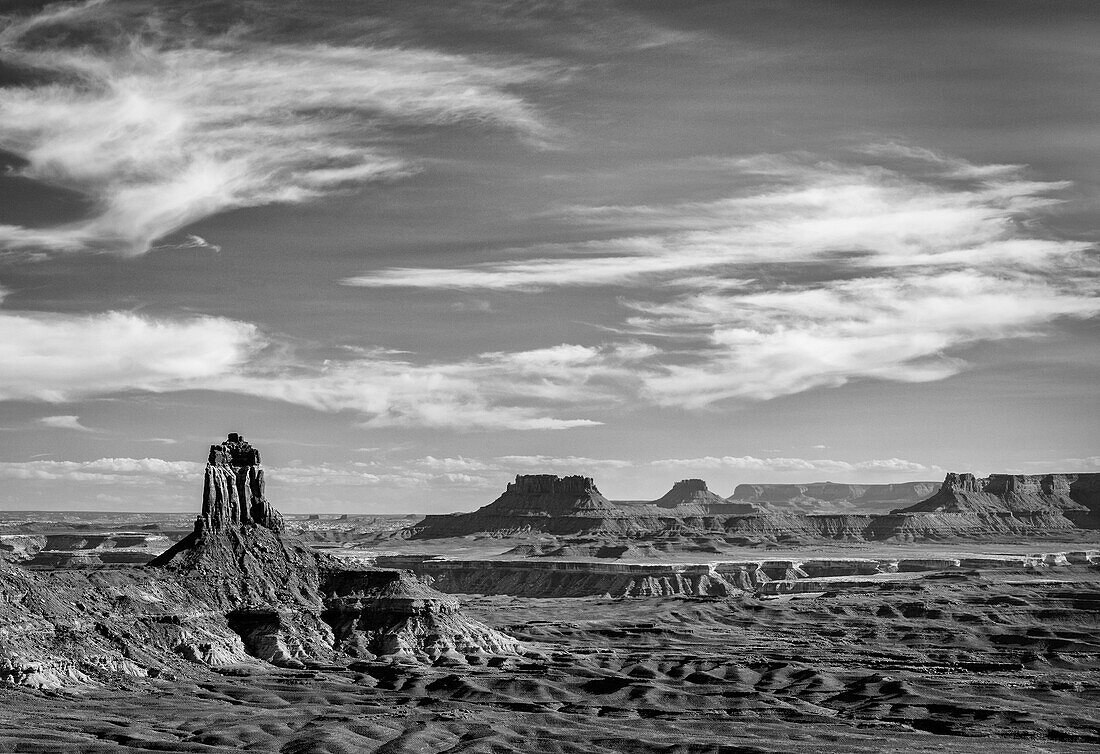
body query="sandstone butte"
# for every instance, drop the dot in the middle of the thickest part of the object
(962, 507)
(237, 591)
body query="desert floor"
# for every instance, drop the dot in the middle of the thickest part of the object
(960, 661)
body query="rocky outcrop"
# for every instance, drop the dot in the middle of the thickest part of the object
(72, 550)
(1077, 494)
(538, 502)
(688, 492)
(691, 496)
(237, 590)
(722, 578)
(584, 522)
(825, 497)
(233, 489)
(573, 579)
(393, 613)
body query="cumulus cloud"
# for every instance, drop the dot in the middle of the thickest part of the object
(60, 357)
(63, 422)
(121, 471)
(160, 125)
(57, 358)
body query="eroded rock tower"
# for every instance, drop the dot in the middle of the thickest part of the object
(233, 489)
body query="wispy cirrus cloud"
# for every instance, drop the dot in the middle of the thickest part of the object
(780, 464)
(762, 344)
(497, 390)
(813, 273)
(787, 210)
(160, 125)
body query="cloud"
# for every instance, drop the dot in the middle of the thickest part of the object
(64, 422)
(191, 242)
(787, 210)
(572, 464)
(120, 471)
(57, 358)
(813, 273)
(491, 391)
(1089, 463)
(60, 357)
(160, 125)
(453, 464)
(751, 463)
(761, 345)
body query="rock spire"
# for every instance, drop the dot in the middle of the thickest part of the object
(233, 489)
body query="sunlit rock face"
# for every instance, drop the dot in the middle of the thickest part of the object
(233, 489)
(832, 497)
(238, 590)
(536, 502)
(1077, 494)
(689, 492)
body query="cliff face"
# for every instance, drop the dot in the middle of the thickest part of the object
(963, 507)
(1069, 494)
(233, 489)
(546, 495)
(691, 496)
(537, 502)
(831, 497)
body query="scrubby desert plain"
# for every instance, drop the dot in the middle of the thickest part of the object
(255, 632)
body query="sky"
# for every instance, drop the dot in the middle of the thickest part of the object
(410, 250)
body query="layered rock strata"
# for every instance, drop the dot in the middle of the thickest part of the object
(237, 590)
(542, 503)
(828, 496)
(963, 507)
(233, 489)
(691, 496)
(1070, 494)
(721, 578)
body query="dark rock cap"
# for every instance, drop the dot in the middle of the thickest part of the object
(235, 451)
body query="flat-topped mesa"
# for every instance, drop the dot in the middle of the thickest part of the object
(233, 489)
(534, 502)
(689, 492)
(1076, 495)
(549, 495)
(830, 497)
(548, 484)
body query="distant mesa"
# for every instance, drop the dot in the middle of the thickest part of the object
(961, 507)
(826, 497)
(688, 492)
(693, 496)
(533, 503)
(1077, 496)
